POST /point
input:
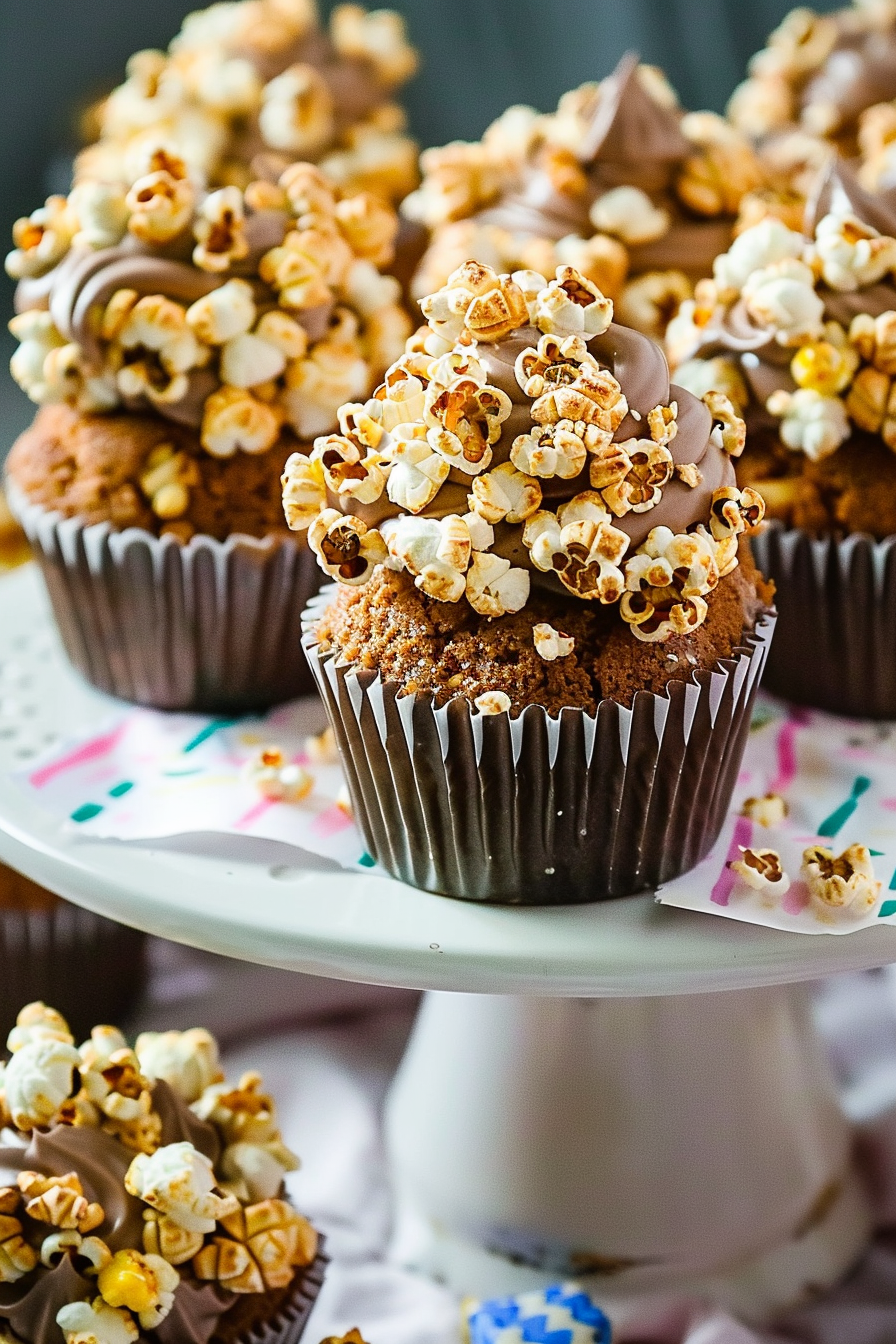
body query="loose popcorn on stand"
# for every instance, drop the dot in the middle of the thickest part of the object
(434, 429)
(761, 870)
(227, 1223)
(840, 886)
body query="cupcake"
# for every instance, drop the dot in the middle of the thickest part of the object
(618, 183)
(795, 329)
(181, 344)
(541, 652)
(94, 968)
(562, 1312)
(143, 1195)
(247, 88)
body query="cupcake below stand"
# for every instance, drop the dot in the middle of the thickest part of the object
(580, 1105)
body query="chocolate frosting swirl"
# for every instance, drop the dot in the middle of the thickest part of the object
(101, 1162)
(632, 141)
(641, 368)
(860, 71)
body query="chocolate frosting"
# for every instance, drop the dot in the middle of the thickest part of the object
(641, 369)
(860, 71)
(101, 1162)
(632, 141)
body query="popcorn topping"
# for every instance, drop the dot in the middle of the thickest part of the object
(179, 1182)
(770, 810)
(551, 644)
(840, 885)
(761, 869)
(492, 702)
(276, 778)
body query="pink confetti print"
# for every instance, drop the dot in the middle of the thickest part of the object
(331, 822)
(743, 834)
(786, 752)
(795, 899)
(90, 751)
(256, 811)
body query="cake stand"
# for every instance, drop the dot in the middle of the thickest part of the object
(627, 1094)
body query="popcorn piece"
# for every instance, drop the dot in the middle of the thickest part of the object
(720, 375)
(234, 420)
(551, 644)
(725, 167)
(96, 1323)
(369, 225)
(417, 472)
(811, 423)
(186, 1060)
(650, 301)
(59, 1201)
(464, 420)
(60, 1244)
(179, 1181)
(630, 214)
(283, 332)
(41, 239)
(505, 495)
(163, 351)
(550, 450)
(663, 424)
(144, 1284)
(482, 534)
(321, 748)
(769, 810)
(102, 213)
(37, 1022)
(165, 1238)
(822, 367)
(843, 885)
(38, 336)
(17, 1258)
(334, 372)
(435, 550)
(754, 250)
(346, 548)
(477, 301)
(666, 580)
(297, 113)
(569, 385)
(378, 38)
(572, 305)
(601, 259)
(161, 202)
(277, 779)
(38, 1079)
(852, 254)
(734, 512)
(348, 470)
(219, 230)
(265, 1243)
(866, 402)
(581, 546)
(631, 474)
(782, 296)
(761, 869)
(166, 479)
(247, 361)
(493, 702)
(304, 493)
(494, 588)
(400, 398)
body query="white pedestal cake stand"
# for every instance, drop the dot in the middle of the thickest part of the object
(584, 1106)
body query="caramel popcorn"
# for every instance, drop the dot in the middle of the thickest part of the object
(436, 551)
(346, 548)
(96, 1323)
(649, 301)
(166, 479)
(38, 1022)
(551, 644)
(840, 886)
(581, 546)
(493, 702)
(59, 1201)
(666, 581)
(179, 1182)
(505, 495)
(277, 779)
(265, 1243)
(17, 1258)
(494, 587)
(769, 810)
(162, 1236)
(761, 870)
(630, 475)
(630, 214)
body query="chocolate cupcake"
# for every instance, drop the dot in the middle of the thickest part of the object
(94, 968)
(618, 183)
(143, 1196)
(246, 89)
(181, 344)
(797, 330)
(541, 654)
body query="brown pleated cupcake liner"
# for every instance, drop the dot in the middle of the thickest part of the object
(835, 645)
(208, 625)
(287, 1325)
(539, 810)
(88, 967)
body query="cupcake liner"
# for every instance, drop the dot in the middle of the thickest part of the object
(287, 1325)
(211, 626)
(539, 810)
(835, 645)
(89, 968)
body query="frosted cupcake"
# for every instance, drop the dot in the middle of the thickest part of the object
(618, 182)
(542, 648)
(797, 329)
(181, 343)
(143, 1195)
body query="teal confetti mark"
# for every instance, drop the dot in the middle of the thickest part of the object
(841, 815)
(181, 774)
(888, 908)
(208, 731)
(87, 811)
(763, 714)
(121, 789)
(892, 886)
(875, 853)
(366, 861)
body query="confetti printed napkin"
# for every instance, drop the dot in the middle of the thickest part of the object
(146, 775)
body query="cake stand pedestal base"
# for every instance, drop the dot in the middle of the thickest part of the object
(645, 1147)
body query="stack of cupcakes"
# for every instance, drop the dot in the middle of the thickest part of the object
(797, 329)
(143, 1195)
(618, 182)
(542, 651)
(181, 343)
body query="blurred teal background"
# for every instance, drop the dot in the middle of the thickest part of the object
(478, 57)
